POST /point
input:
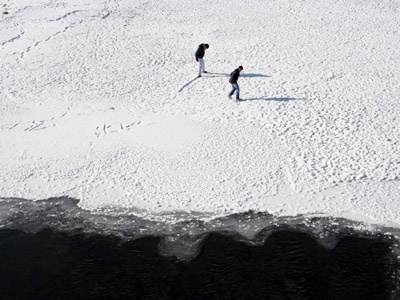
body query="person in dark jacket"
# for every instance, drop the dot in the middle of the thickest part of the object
(201, 51)
(233, 80)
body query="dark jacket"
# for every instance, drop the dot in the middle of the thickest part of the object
(234, 76)
(200, 52)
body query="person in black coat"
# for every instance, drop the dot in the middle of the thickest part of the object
(201, 51)
(233, 80)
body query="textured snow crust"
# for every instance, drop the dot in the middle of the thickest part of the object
(99, 102)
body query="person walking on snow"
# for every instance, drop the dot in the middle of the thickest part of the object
(199, 57)
(233, 80)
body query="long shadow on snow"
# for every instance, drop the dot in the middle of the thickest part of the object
(216, 74)
(188, 83)
(242, 75)
(253, 75)
(272, 99)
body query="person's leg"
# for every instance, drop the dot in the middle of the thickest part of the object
(237, 91)
(201, 66)
(233, 90)
(204, 66)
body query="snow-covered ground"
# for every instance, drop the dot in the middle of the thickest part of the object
(99, 101)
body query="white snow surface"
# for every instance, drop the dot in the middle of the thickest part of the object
(98, 101)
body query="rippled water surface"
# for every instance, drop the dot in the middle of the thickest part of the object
(53, 250)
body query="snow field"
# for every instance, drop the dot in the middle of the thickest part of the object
(99, 102)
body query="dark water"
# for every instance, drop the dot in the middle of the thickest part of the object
(41, 257)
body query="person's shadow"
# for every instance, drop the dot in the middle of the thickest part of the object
(209, 75)
(282, 99)
(216, 74)
(253, 75)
